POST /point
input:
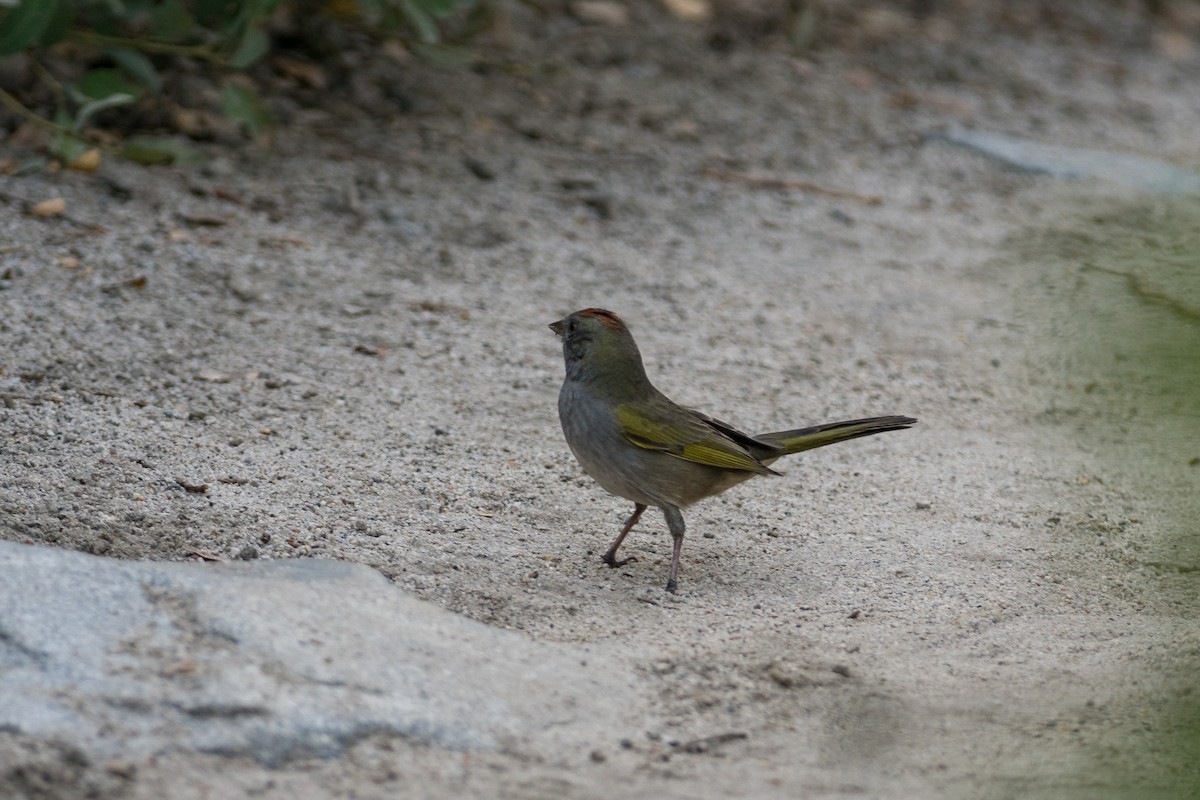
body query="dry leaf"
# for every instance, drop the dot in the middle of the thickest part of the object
(197, 123)
(603, 12)
(204, 220)
(690, 10)
(203, 556)
(228, 195)
(283, 240)
(138, 282)
(87, 162)
(213, 376)
(192, 488)
(311, 75)
(50, 208)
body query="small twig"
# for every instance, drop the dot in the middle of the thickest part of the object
(150, 46)
(17, 107)
(192, 488)
(707, 743)
(1182, 569)
(47, 77)
(768, 182)
(203, 556)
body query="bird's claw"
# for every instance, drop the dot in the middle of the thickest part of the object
(615, 562)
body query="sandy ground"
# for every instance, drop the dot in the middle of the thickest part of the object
(345, 341)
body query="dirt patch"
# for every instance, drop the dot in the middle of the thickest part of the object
(338, 350)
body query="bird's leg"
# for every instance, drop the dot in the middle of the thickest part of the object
(675, 523)
(610, 557)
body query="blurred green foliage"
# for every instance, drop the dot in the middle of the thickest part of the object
(228, 35)
(1122, 308)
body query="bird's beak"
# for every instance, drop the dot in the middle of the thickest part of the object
(557, 327)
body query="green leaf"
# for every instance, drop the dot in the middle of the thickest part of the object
(251, 14)
(100, 84)
(154, 150)
(59, 25)
(253, 46)
(24, 24)
(67, 147)
(209, 11)
(245, 106)
(138, 66)
(171, 22)
(419, 18)
(88, 110)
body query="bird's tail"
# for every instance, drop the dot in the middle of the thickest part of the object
(832, 432)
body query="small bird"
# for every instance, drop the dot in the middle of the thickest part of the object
(638, 444)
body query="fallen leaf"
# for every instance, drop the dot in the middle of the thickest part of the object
(311, 75)
(138, 282)
(438, 307)
(603, 12)
(284, 240)
(88, 161)
(228, 195)
(197, 124)
(53, 207)
(213, 376)
(192, 488)
(156, 150)
(203, 556)
(203, 220)
(690, 10)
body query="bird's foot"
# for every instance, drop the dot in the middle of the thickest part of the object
(615, 562)
(671, 586)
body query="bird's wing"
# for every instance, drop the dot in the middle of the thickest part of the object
(691, 437)
(745, 440)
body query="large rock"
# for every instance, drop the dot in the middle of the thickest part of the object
(274, 660)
